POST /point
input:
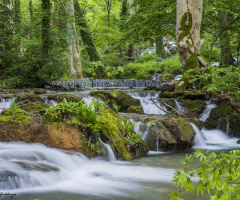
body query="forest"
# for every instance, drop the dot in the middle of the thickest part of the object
(111, 39)
(120, 99)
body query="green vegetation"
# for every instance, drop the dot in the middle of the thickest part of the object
(217, 175)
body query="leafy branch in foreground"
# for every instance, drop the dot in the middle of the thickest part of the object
(217, 175)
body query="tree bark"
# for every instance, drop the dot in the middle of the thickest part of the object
(189, 17)
(74, 61)
(31, 10)
(226, 53)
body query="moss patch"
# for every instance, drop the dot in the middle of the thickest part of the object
(59, 98)
(35, 107)
(194, 107)
(135, 109)
(110, 131)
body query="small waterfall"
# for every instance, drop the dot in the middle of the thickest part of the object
(148, 106)
(138, 130)
(145, 134)
(157, 143)
(227, 128)
(111, 156)
(179, 106)
(5, 104)
(219, 123)
(207, 111)
(50, 102)
(199, 140)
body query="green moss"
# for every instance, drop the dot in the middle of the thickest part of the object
(110, 130)
(174, 94)
(185, 25)
(59, 98)
(135, 109)
(186, 129)
(14, 116)
(195, 108)
(117, 98)
(235, 124)
(35, 107)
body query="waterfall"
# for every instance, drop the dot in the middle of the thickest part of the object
(178, 77)
(199, 140)
(111, 156)
(207, 111)
(213, 139)
(227, 128)
(50, 102)
(5, 104)
(179, 106)
(148, 106)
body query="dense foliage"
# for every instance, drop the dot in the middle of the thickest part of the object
(217, 175)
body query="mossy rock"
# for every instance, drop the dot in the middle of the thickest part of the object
(15, 116)
(194, 94)
(221, 113)
(60, 97)
(234, 120)
(118, 98)
(135, 109)
(35, 107)
(194, 107)
(181, 130)
(39, 91)
(29, 98)
(174, 94)
(111, 132)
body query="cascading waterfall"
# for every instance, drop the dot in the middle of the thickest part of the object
(148, 106)
(213, 139)
(207, 111)
(32, 168)
(138, 130)
(5, 104)
(228, 127)
(111, 156)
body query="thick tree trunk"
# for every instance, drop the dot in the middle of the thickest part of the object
(74, 61)
(46, 19)
(17, 23)
(189, 16)
(226, 53)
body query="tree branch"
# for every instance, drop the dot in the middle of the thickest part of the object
(159, 107)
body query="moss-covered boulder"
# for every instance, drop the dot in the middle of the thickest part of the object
(218, 117)
(60, 97)
(193, 107)
(135, 109)
(39, 91)
(118, 98)
(25, 98)
(174, 94)
(112, 132)
(167, 101)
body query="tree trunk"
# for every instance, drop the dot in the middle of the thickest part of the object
(46, 19)
(226, 53)
(74, 61)
(189, 17)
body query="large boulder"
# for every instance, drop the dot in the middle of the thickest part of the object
(117, 98)
(187, 94)
(60, 97)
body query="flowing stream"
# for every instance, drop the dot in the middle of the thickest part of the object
(33, 171)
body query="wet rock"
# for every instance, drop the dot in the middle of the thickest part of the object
(34, 107)
(238, 141)
(118, 98)
(38, 166)
(169, 87)
(26, 98)
(174, 94)
(167, 101)
(39, 91)
(187, 94)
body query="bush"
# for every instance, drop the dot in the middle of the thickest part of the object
(146, 57)
(218, 175)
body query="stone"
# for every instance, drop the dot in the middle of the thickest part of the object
(39, 91)
(135, 109)
(60, 97)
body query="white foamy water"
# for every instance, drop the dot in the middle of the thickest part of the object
(148, 106)
(50, 102)
(213, 139)
(111, 156)
(31, 168)
(207, 111)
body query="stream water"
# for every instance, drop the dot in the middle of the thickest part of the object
(33, 171)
